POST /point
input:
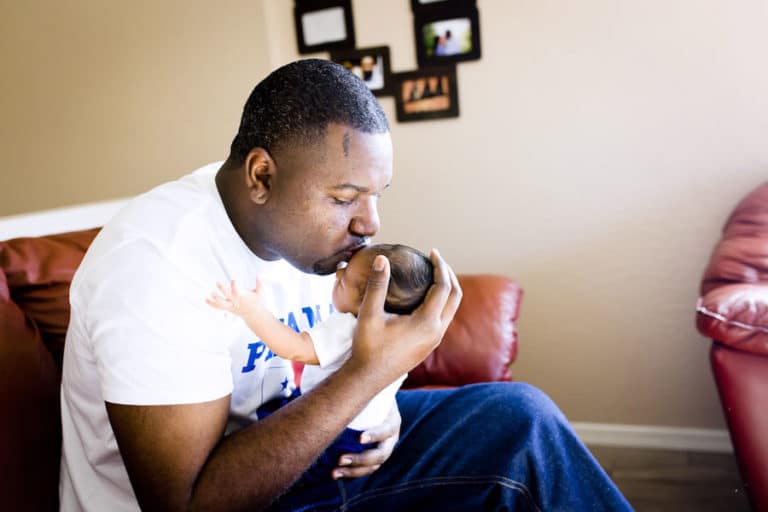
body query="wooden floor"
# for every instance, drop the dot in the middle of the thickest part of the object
(672, 481)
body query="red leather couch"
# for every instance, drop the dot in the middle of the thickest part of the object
(733, 311)
(480, 345)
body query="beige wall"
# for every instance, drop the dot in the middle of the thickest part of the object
(107, 99)
(600, 146)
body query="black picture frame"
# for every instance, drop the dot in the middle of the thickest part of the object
(411, 86)
(421, 4)
(320, 26)
(378, 76)
(462, 30)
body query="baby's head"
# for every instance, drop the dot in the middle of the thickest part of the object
(411, 275)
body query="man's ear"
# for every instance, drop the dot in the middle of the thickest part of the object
(259, 175)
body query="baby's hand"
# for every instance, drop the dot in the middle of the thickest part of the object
(234, 301)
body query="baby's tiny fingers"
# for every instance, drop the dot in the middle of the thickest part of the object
(355, 472)
(218, 301)
(367, 458)
(378, 433)
(222, 288)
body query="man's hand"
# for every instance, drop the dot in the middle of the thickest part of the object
(391, 345)
(387, 346)
(353, 465)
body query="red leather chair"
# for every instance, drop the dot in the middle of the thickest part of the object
(35, 274)
(733, 311)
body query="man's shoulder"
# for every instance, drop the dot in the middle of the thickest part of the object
(169, 203)
(158, 215)
(153, 224)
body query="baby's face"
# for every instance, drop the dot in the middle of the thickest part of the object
(351, 282)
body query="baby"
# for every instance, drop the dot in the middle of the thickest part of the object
(326, 347)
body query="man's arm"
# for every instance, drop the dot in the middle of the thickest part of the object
(177, 459)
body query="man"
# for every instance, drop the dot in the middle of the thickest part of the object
(155, 380)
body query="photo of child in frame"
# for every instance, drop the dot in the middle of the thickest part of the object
(370, 65)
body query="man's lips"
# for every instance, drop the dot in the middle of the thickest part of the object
(352, 250)
(342, 255)
(346, 254)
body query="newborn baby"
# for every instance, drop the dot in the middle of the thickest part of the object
(326, 347)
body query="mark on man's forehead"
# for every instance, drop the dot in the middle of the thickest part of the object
(345, 143)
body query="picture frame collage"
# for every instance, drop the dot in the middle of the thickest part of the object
(446, 32)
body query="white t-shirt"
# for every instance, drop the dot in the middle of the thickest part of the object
(141, 332)
(332, 341)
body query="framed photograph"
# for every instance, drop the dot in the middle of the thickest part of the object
(430, 93)
(323, 25)
(416, 4)
(446, 35)
(369, 64)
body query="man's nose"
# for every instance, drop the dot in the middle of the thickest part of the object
(366, 219)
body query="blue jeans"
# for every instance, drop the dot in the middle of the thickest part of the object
(484, 447)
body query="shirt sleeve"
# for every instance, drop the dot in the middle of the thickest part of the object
(154, 338)
(332, 339)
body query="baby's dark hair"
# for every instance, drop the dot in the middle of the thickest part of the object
(411, 275)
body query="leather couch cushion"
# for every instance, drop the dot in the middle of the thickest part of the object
(733, 307)
(737, 316)
(38, 272)
(473, 351)
(29, 408)
(34, 311)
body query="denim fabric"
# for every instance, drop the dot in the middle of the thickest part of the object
(484, 447)
(347, 442)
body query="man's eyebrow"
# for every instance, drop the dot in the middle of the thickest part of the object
(354, 187)
(350, 185)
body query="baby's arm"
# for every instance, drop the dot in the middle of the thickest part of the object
(281, 339)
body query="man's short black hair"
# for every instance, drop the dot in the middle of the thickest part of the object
(411, 275)
(298, 101)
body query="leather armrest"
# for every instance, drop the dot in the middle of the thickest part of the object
(733, 303)
(736, 315)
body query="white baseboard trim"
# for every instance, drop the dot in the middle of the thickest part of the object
(59, 220)
(659, 437)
